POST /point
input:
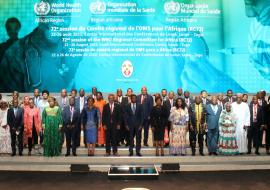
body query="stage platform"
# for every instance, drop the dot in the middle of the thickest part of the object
(102, 164)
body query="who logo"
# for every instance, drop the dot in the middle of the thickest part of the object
(42, 8)
(97, 7)
(172, 7)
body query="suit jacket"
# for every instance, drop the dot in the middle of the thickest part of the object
(227, 99)
(212, 118)
(15, 122)
(61, 104)
(191, 101)
(167, 105)
(36, 100)
(66, 114)
(267, 113)
(77, 103)
(147, 105)
(133, 120)
(111, 119)
(260, 114)
(193, 115)
(207, 101)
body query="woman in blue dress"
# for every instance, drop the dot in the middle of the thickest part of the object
(91, 120)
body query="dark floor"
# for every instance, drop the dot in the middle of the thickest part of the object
(242, 180)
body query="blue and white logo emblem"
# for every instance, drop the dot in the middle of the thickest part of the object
(172, 7)
(97, 7)
(42, 8)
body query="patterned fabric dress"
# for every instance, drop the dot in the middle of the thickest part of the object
(91, 120)
(52, 120)
(5, 139)
(178, 118)
(227, 135)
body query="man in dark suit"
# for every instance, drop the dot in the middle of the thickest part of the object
(15, 122)
(71, 121)
(111, 119)
(220, 100)
(134, 121)
(80, 104)
(146, 101)
(168, 104)
(188, 100)
(267, 127)
(204, 98)
(256, 125)
(213, 111)
(63, 99)
(229, 97)
(197, 114)
(123, 134)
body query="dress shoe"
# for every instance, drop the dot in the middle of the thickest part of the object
(107, 154)
(145, 144)
(193, 154)
(210, 153)
(131, 154)
(74, 154)
(116, 154)
(139, 154)
(214, 153)
(20, 154)
(67, 154)
(13, 154)
(202, 154)
(257, 153)
(249, 152)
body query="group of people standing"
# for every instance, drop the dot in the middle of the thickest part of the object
(228, 126)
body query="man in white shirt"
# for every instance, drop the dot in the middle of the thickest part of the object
(242, 114)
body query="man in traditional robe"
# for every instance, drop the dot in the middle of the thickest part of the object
(241, 111)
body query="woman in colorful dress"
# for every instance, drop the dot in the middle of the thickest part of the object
(99, 103)
(158, 118)
(32, 125)
(91, 121)
(179, 120)
(227, 135)
(52, 124)
(5, 138)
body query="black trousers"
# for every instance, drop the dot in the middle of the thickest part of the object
(253, 135)
(123, 134)
(32, 140)
(111, 139)
(78, 136)
(71, 139)
(267, 138)
(14, 139)
(195, 136)
(135, 132)
(146, 124)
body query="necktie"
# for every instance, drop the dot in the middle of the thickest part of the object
(72, 112)
(133, 108)
(142, 99)
(111, 108)
(255, 113)
(15, 112)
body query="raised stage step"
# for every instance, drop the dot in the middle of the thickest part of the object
(101, 163)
